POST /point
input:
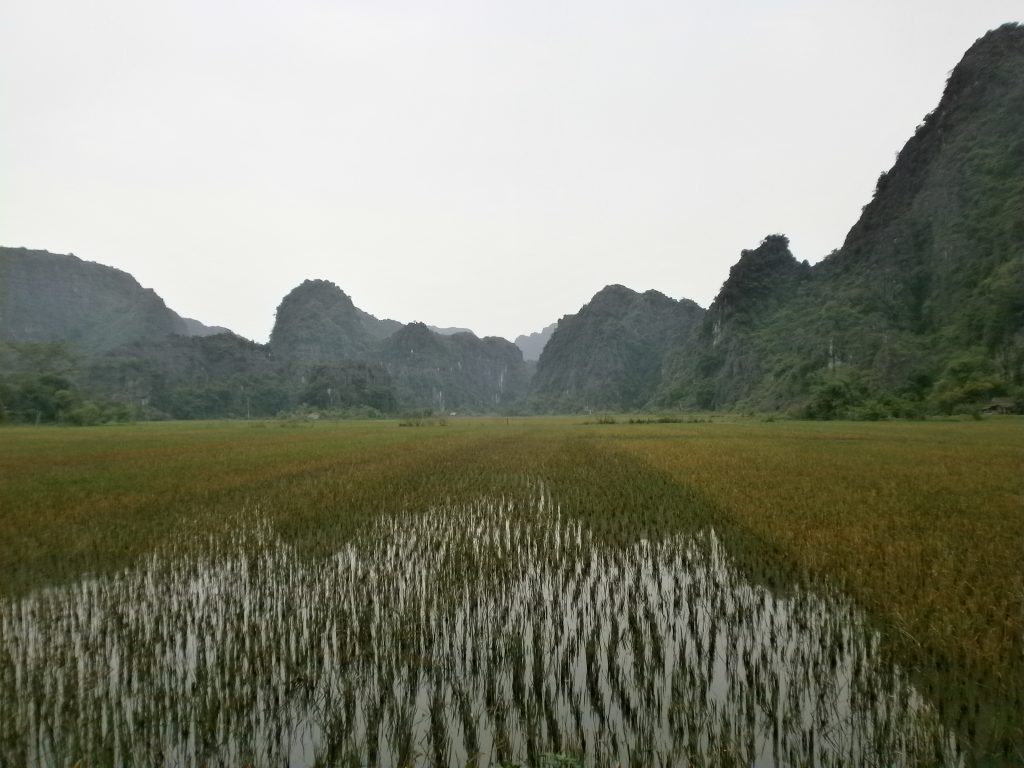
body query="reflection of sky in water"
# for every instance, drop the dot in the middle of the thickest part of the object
(477, 635)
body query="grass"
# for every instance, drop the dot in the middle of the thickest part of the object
(921, 523)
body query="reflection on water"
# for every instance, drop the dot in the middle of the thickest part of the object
(481, 636)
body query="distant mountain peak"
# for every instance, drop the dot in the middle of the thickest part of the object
(450, 330)
(610, 353)
(323, 290)
(317, 321)
(532, 344)
(758, 273)
(59, 297)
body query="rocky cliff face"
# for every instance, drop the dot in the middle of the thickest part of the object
(921, 309)
(532, 344)
(189, 377)
(458, 372)
(317, 322)
(610, 353)
(318, 327)
(734, 348)
(923, 306)
(54, 297)
(324, 352)
(939, 248)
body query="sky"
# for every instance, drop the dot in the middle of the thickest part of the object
(478, 164)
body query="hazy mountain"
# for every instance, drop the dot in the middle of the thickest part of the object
(318, 326)
(609, 354)
(735, 349)
(117, 342)
(454, 373)
(317, 322)
(533, 344)
(189, 377)
(922, 307)
(196, 328)
(48, 297)
(377, 329)
(450, 331)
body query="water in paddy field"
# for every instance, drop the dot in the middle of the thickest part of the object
(492, 634)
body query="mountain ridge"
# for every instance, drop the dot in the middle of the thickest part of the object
(59, 297)
(532, 344)
(921, 309)
(609, 354)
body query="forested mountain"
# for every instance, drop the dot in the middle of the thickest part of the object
(378, 329)
(923, 306)
(188, 377)
(609, 354)
(317, 323)
(454, 372)
(76, 364)
(47, 297)
(735, 350)
(318, 327)
(449, 331)
(921, 310)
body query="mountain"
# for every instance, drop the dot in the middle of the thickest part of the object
(82, 334)
(610, 353)
(317, 322)
(454, 373)
(533, 344)
(46, 297)
(377, 329)
(196, 328)
(449, 331)
(735, 351)
(319, 328)
(188, 377)
(225, 375)
(922, 309)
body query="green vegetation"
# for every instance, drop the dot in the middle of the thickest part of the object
(458, 372)
(47, 297)
(316, 322)
(920, 523)
(609, 354)
(920, 311)
(126, 353)
(36, 387)
(681, 585)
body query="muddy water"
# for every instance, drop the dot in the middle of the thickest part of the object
(497, 633)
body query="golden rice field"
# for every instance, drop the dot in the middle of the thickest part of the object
(513, 592)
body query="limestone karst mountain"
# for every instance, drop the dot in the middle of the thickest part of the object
(532, 344)
(47, 297)
(609, 354)
(921, 310)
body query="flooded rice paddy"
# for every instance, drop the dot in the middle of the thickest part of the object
(490, 634)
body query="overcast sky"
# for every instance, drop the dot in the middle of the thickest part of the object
(481, 164)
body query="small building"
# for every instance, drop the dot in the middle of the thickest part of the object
(1000, 405)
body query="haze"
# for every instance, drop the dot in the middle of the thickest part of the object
(473, 164)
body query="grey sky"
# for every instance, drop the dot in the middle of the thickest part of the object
(489, 165)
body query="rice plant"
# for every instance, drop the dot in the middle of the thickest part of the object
(483, 634)
(499, 592)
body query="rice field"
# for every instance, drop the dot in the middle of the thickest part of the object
(512, 592)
